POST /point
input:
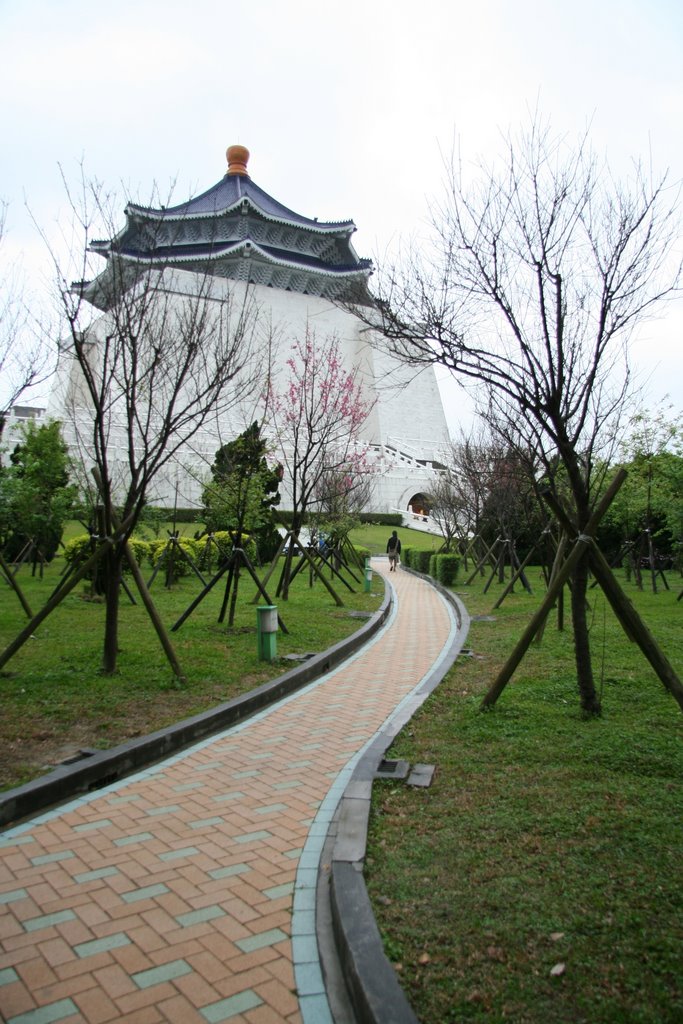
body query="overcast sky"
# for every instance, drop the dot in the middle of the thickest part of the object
(346, 107)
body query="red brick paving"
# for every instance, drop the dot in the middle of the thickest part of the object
(238, 808)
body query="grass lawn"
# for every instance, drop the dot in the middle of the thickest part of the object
(375, 538)
(539, 879)
(55, 700)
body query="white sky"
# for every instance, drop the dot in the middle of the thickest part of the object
(345, 106)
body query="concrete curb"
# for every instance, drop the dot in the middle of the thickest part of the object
(373, 989)
(107, 766)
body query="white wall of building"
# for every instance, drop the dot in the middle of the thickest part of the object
(406, 426)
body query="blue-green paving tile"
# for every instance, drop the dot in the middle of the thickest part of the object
(268, 938)
(187, 786)
(293, 784)
(157, 975)
(52, 858)
(46, 1014)
(310, 858)
(303, 922)
(294, 854)
(260, 757)
(318, 828)
(250, 774)
(13, 896)
(278, 891)
(208, 767)
(236, 794)
(199, 916)
(96, 946)
(250, 837)
(315, 1010)
(10, 839)
(170, 809)
(206, 822)
(272, 740)
(311, 746)
(187, 851)
(115, 801)
(8, 975)
(304, 899)
(92, 826)
(94, 876)
(271, 808)
(309, 979)
(231, 1007)
(234, 869)
(299, 764)
(145, 893)
(140, 837)
(304, 949)
(48, 920)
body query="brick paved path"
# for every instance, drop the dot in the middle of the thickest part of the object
(186, 893)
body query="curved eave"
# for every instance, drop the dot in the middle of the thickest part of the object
(185, 212)
(250, 250)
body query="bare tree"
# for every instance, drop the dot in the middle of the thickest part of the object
(530, 286)
(167, 356)
(459, 493)
(25, 353)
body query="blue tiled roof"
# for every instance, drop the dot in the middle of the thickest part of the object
(229, 192)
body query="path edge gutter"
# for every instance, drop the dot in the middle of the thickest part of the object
(372, 985)
(102, 768)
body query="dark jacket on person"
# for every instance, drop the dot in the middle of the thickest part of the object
(394, 545)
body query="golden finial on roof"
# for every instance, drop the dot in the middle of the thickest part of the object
(238, 158)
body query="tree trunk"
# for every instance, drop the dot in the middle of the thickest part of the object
(113, 561)
(233, 596)
(590, 703)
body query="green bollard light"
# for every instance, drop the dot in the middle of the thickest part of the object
(367, 586)
(266, 631)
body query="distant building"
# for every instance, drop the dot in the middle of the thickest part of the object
(297, 269)
(11, 423)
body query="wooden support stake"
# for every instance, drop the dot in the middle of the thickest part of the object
(7, 573)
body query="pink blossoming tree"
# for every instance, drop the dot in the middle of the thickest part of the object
(316, 418)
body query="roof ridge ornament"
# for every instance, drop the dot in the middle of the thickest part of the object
(238, 158)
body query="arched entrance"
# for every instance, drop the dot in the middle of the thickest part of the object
(419, 505)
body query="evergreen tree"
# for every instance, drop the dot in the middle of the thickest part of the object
(36, 497)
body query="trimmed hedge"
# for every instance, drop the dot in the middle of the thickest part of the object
(420, 561)
(447, 569)
(441, 567)
(179, 515)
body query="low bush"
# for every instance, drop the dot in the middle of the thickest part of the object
(447, 569)
(420, 561)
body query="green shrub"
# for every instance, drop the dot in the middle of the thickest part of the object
(140, 549)
(79, 548)
(432, 565)
(420, 561)
(381, 518)
(447, 569)
(156, 513)
(362, 552)
(406, 555)
(159, 549)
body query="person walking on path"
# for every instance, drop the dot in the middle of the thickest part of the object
(393, 550)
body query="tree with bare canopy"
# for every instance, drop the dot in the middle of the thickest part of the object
(164, 353)
(529, 288)
(25, 352)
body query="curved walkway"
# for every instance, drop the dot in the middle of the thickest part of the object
(187, 892)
